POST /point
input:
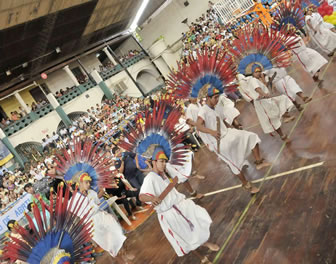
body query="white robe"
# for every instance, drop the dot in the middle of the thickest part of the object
(183, 172)
(185, 224)
(226, 109)
(284, 83)
(269, 110)
(107, 233)
(324, 37)
(235, 145)
(192, 114)
(310, 59)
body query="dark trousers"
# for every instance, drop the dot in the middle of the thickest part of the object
(127, 203)
(137, 180)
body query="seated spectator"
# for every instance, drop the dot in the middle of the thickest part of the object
(127, 166)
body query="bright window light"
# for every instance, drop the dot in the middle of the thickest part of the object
(142, 8)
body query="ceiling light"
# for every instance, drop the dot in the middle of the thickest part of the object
(58, 50)
(24, 65)
(8, 72)
(134, 24)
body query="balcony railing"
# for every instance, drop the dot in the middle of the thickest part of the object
(44, 110)
(18, 125)
(118, 68)
(72, 94)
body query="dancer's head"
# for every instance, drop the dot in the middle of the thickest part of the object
(213, 96)
(159, 159)
(84, 181)
(256, 71)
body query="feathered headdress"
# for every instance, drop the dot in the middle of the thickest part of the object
(58, 240)
(288, 14)
(307, 3)
(266, 47)
(158, 131)
(191, 80)
(84, 158)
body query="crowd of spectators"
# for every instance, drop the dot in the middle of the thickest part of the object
(209, 32)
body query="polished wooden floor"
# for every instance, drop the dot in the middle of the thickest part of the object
(293, 219)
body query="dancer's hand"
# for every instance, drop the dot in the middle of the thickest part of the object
(215, 134)
(156, 201)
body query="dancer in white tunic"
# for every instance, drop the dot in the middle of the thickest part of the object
(185, 224)
(233, 146)
(184, 174)
(227, 111)
(286, 85)
(310, 59)
(269, 109)
(321, 32)
(107, 233)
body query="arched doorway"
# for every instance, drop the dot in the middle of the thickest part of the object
(73, 117)
(30, 151)
(148, 81)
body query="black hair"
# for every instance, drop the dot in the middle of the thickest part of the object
(115, 149)
(29, 207)
(10, 222)
(28, 185)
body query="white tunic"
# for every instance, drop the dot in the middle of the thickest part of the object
(235, 145)
(181, 172)
(107, 233)
(310, 59)
(284, 83)
(269, 110)
(185, 224)
(192, 112)
(226, 109)
(324, 37)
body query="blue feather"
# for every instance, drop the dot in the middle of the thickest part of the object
(206, 79)
(154, 139)
(82, 167)
(253, 58)
(48, 242)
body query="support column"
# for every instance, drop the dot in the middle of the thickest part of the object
(10, 147)
(147, 54)
(71, 75)
(24, 106)
(108, 54)
(54, 103)
(127, 72)
(95, 75)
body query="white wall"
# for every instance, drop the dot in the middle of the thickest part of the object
(128, 44)
(84, 101)
(168, 22)
(132, 90)
(90, 62)
(58, 80)
(37, 130)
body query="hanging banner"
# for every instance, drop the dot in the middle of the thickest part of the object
(14, 213)
(5, 154)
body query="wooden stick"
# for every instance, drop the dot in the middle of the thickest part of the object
(218, 130)
(165, 193)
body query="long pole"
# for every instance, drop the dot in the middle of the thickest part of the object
(127, 72)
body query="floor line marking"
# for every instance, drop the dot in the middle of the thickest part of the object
(285, 173)
(242, 216)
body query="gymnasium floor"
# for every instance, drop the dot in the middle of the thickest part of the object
(292, 220)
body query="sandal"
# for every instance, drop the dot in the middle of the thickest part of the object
(306, 100)
(285, 138)
(289, 119)
(197, 195)
(262, 164)
(251, 188)
(205, 260)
